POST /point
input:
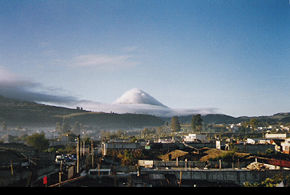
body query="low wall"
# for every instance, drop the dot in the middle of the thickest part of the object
(234, 176)
(191, 164)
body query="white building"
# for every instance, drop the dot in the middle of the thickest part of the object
(264, 141)
(218, 144)
(286, 146)
(284, 128)
(276, 135)
(234, 128)
(166, 140)
(195, 138)
(251, 141)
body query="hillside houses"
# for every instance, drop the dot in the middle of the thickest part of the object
(280, 140)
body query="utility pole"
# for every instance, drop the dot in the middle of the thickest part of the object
(92, 153)
(60, 174)
(78, 154)
(81, 149)
(11, 167)
(84, 148)
(180, 178)
(99, 167)
(59, 178)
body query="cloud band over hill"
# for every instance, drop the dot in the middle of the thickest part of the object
(139, 102)
(14, 86)
(144, 109)
(132, 101)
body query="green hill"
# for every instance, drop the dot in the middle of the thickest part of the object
(29, 114)
(113, 120)
(226, 119)
(208, 119)
(16, 112)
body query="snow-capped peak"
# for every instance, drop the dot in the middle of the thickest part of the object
(137, 96)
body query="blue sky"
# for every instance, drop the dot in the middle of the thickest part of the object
(232, 55)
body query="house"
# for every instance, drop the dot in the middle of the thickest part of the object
(145, 163)
(264, 141)
(166, 140)
(119, 146)
(284, 128)
(196, 138)
(276, 135)
(286, 146)
(234, 128)
(251, 141)
(258, 141)
(218, 144)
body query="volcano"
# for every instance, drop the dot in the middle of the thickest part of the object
(138, 96)
(137, 101)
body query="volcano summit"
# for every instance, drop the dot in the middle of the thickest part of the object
(139, 102)
(137, 96)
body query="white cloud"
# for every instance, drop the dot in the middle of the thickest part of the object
(104, 61)
(139, 102)
(141, 109)
(18, 87)
(133, 101)
(6, 76)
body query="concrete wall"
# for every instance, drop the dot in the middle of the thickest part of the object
(190, 164)
(120, 145)
(235, 176)
(254, 148)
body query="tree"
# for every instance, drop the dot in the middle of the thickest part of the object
(79, 108)
(244, 128)
(270, 182)
(76, 127)
(145, 132)
(254, 123)
(38, 141)
(4, 126)
(119, 134)
(105, 135)
(196, 123)
(159, 131)
(129, 157)
(72, 137)
(175, 125)
(65, 127)
(133, 139)
(58, 127)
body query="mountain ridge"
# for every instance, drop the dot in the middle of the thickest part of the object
(30, 114)
(25, 113)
